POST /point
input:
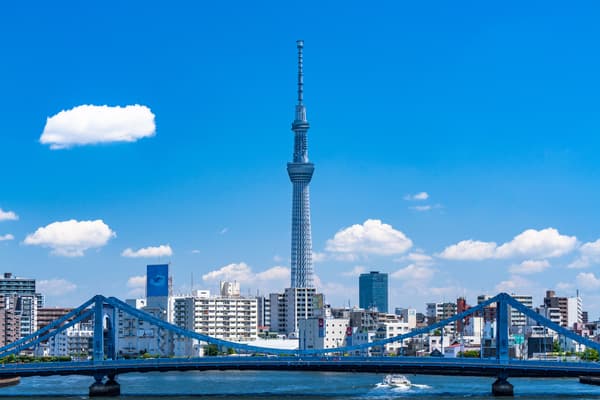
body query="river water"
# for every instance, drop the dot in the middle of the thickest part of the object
(254, 385)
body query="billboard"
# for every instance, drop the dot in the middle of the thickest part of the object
(157, 280)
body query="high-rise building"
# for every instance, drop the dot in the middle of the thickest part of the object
(224, 317)
(300, 171)
(47, 315)
(10, 321)
(462, 306)
(517, 318)
(293, 305)
(19, 295)
(440, 311)
(158, 289)
(10, 284)
(263, 308)
(574, 311)
(373, 291)
(570, 308)
(489, 312)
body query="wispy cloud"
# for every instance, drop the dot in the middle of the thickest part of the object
(136, 285)
(8, 215)
(55, 287)
(6, 237)
(356, 271)
(530, 267)
(417, 196)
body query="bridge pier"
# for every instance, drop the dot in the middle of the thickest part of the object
(502, 387)
(108, 389)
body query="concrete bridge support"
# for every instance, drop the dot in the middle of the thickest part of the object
(109, 388)
(502, 387)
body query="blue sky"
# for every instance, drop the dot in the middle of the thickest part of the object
(492, 110)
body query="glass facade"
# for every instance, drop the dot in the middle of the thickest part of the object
(373, 291)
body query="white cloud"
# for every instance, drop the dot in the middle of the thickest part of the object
(589, 254)
(223, 231)
(8, 215)
(417, 258)
(195, 251)
(565, 287)
(545, 243)
(588, 280)
(71, 238)
(356, 271)
(90, 124)
(530, 267)
(417, 196)
(137, 286)
(421, 208)
(6, 237)
(372, 237)
(318, 257)
(469, 250)
(136, 281)
(414, 272)
(516, 284)
(163, 250)
(274, 273)
(230, 272)
(55, 287)
(272, 278)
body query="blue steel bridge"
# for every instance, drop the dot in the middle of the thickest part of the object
(104, 365)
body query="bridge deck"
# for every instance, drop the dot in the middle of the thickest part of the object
(406, 365)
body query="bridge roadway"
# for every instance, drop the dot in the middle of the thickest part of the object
(406, 365)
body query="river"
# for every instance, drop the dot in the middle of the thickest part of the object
(254, 385)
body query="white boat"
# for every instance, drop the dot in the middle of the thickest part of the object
(396, 381)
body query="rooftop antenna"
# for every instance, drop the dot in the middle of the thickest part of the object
(300, 45)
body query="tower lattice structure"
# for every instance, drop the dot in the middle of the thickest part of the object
(300, 171)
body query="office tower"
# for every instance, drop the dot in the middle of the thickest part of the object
(373, 291)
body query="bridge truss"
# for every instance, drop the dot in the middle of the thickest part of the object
(104, 352)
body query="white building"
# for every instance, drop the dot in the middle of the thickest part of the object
(388, 330)
(574, 311)
(363, 336)
(136, 336)
(295, 304)
(517, 318)
(75, 341)
(437, 343)
(323, 333)
(552, 313)
(230, 318)
(474, 327)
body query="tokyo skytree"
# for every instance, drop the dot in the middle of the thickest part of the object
(300, 172)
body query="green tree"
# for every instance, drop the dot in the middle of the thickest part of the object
(590, 355)
(211, 350)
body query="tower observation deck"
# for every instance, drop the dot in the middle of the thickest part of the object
(300, 171)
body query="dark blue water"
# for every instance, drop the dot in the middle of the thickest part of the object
(251, 385)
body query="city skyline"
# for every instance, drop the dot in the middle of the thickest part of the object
(458, 161)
